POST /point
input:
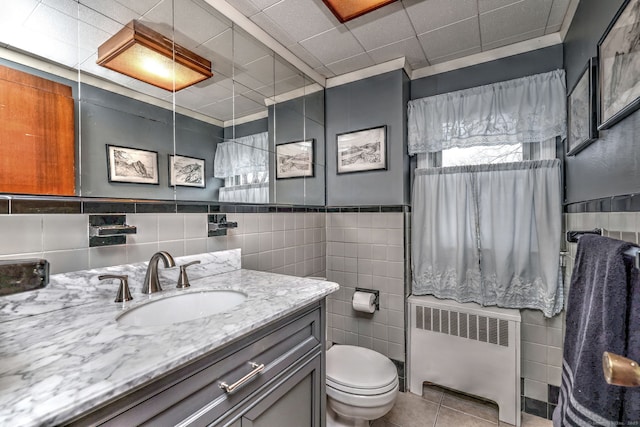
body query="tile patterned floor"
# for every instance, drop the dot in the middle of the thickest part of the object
(439, 407)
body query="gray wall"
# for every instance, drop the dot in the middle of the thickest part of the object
(512, 67)
(375, 101)
(609, 165)
(108, 118)
(296, 120)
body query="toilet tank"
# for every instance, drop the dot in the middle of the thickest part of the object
(466, 347)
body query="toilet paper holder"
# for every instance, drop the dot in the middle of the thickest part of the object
(376, 301)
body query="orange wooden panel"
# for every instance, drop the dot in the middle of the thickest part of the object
(37, 141)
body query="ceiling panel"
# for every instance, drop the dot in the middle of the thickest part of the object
(409, 48)
(518, 18)
(195, 25)
(487, 5)
(461, 36)
(558, 11)
(246, 7)
(351, 64)
(514, 39)
(140, 6)
(455, 55)
(382, 27)
(428, 15)
(263, 4)
(302, 18)
(267, 24)
(115, 11)
(333, 45)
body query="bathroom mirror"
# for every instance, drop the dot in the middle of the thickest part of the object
(183, 128)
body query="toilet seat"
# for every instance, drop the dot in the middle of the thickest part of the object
(360, 371)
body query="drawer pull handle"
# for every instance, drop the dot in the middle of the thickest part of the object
(256, 370)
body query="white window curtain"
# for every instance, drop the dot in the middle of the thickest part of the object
(489, 234)
(528, 109)
(243, 156)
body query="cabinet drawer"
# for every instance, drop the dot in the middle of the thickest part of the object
(195, 389)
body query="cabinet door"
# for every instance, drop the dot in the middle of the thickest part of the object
(295, 402)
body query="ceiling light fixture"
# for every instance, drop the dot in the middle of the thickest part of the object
(144, 54)
(350, 9)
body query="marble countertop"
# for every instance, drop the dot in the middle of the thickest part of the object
(62, 351)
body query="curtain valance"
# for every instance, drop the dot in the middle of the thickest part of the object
(528, 109)
(241, 156)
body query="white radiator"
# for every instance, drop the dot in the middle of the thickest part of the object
(466, 347)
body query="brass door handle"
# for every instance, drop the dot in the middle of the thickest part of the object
(233, 387)
(619, 370)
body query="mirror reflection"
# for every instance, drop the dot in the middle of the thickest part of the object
(214, 140)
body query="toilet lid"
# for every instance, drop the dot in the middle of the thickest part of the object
(360, 370)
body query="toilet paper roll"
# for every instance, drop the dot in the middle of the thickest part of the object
(364, 301)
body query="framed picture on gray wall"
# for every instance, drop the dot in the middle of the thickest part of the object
(132, 165)
(362, 150)
(581, 110)
(294, 159)
(619, 66)
(186, 171)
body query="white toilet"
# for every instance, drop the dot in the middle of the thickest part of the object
(362, 385)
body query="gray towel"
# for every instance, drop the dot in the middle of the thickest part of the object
(603, 314)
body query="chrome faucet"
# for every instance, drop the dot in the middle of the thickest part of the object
(151, 283)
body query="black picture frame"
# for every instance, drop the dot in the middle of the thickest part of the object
(295, 159)
(618, 62)
(132, 165)
(582, 117)
(193, 171)
(362, 150)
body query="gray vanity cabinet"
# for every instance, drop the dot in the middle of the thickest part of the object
(288, 391)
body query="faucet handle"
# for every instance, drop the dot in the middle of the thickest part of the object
(183, 280)
(123, 290)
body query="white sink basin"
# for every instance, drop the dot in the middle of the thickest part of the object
(181, 308)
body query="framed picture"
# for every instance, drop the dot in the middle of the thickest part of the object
(362, 150)
(581, 110)
(132, 165)
(619, 66)
(186, 171)
(294, 159)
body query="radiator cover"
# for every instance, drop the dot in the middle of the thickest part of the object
(466, 347)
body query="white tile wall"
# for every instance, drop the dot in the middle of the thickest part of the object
(366, 250)
(63, 240)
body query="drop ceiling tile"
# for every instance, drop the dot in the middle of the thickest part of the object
(510, 21)
(304, 55)
(266, 91)
(487, 5)
(409, 48)
(90, 37)
(284, 70)
(428, 15)
(558, 11)
(457, 37)
(146, 88)
(113, 10)
(351, 64)
(267, 24)
(244, 106)
(381, 27)
(191, 98)
(246, 7)
(333, 45)
(255, 96)
(98, 20)
(141, 6)
(49, 22)
(455, 55)
(196, 25)
(68, 7)
(263, 4)
(219, 50)
(515, 39)
(246, 49)
(302, 18)
(222, 110)
(262, 70)
(213, 93)
(289, 84)
(49, 48)
(12, 17)
(242, 77)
